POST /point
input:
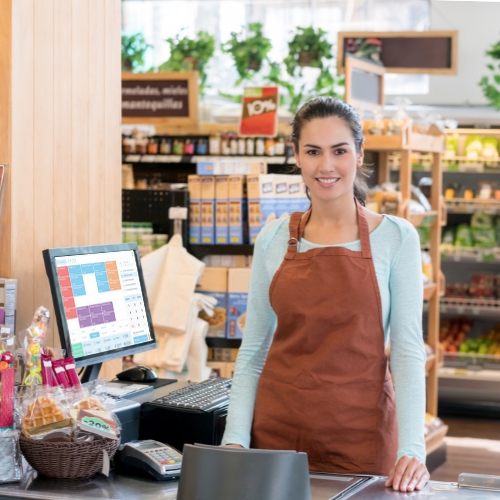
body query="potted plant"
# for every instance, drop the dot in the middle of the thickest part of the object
(187, 54)
(134, 48)
(491, 87)
(248, 52)
(309, 47)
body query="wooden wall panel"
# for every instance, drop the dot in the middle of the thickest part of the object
(80, 122)
(23, 158)
(43, 147)
(62, 135)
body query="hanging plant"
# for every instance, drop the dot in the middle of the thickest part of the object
(491, 87)
(248, 52)
(187, 54)
(308, 48)
(134, 48)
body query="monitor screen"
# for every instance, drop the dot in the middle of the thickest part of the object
(100, 302)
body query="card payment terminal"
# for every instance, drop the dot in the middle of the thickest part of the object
(157, 459)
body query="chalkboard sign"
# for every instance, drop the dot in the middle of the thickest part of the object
(430, 52)
(364, 84)
(170, 98)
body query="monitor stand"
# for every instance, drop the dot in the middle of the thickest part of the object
(91, 372)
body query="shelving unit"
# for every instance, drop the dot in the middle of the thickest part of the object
(405, 144)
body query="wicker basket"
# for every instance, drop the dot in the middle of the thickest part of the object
(67, 460)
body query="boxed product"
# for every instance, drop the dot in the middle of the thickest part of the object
(214, 284)
(296, 194)
(221, 210)
(8, 301)
(194, 187)
(219, 368)
(237, 297)
(282, 200)
(261, 203)
(237, 209)
(207, 210)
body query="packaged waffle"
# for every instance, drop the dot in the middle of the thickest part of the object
(93, 414)
(45, 412)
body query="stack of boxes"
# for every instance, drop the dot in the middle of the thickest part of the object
(8, 303)
(242, 205)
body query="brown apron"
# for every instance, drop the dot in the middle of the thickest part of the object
(325, 388)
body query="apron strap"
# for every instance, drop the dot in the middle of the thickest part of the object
(296, 229)
(364, 232)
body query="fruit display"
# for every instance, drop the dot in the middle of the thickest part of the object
(453, 338)
(481, 286)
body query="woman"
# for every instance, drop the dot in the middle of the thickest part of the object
(327, 289)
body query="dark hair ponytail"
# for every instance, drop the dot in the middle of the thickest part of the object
(327, 107)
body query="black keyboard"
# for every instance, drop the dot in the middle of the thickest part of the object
(205, 396)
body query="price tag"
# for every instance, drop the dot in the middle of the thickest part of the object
(148, 158)
(178, 213)
(161, 158)
(133, 158)
(444, 309)
(476, 311)
(457, 258)
(460, 310)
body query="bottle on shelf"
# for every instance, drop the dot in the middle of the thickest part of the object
(152, 146)
(260, 147)
(269, 146)
(141, 146)
(241, 146)
(214, 145)
(279, 147)
(233, 145)
(128, 144)
(224, 145)
(250, 146)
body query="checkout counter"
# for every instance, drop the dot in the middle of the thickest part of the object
(126, 487)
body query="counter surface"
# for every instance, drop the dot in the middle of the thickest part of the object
(118, 487)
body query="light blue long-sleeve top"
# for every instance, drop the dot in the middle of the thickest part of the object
(396, 255)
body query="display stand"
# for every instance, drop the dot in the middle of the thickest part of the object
(405, 143)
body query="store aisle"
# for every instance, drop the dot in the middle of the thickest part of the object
(477, 456)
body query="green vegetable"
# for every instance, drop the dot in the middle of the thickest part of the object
(482, 220)
(463, 237)
(484, 238)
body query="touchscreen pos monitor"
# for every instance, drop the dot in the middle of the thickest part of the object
(100, 303)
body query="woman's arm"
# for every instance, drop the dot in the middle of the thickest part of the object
(259, 330)
(407, 348)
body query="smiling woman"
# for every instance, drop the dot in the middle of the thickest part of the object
(328, 289)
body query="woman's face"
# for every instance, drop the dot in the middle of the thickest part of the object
(327, 158)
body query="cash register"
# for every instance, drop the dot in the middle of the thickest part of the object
(102, 313)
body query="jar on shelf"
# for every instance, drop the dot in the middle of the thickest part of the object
(250, 146)
(279, 147)
(128, 145)
(189, 147)
(178, 147)
(201, 147)
(233, 145)
(214, 145)
(260, 147)
(141, 146)
(152, 146)
(269, 146)
(166, 146)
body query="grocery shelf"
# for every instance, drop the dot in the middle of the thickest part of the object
(134, 158)
(431, 359)
(489, 308)
(225, 343)
(434, 439)
(463, 206)
(485, 374)
(200, 251)
(424, 219)
(471, 254)
(407, 140)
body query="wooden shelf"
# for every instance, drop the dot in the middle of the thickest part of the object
(463, 206)
(411, 141)
(429, 291)
(135, 158)
(431, 359)
(220, 342)
(434, 440)
(200, 251)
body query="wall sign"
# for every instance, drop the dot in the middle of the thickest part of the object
(170, 98)
(429, 52)
(364, 84)
(259, 116)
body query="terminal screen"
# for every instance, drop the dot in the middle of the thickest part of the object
(103, 302)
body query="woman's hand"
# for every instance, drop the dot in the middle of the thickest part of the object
(407, 475)
(233, 446)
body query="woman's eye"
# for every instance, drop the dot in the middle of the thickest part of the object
(312, 152)
(340, 151)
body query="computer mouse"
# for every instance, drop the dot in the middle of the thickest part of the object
(138, 374)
